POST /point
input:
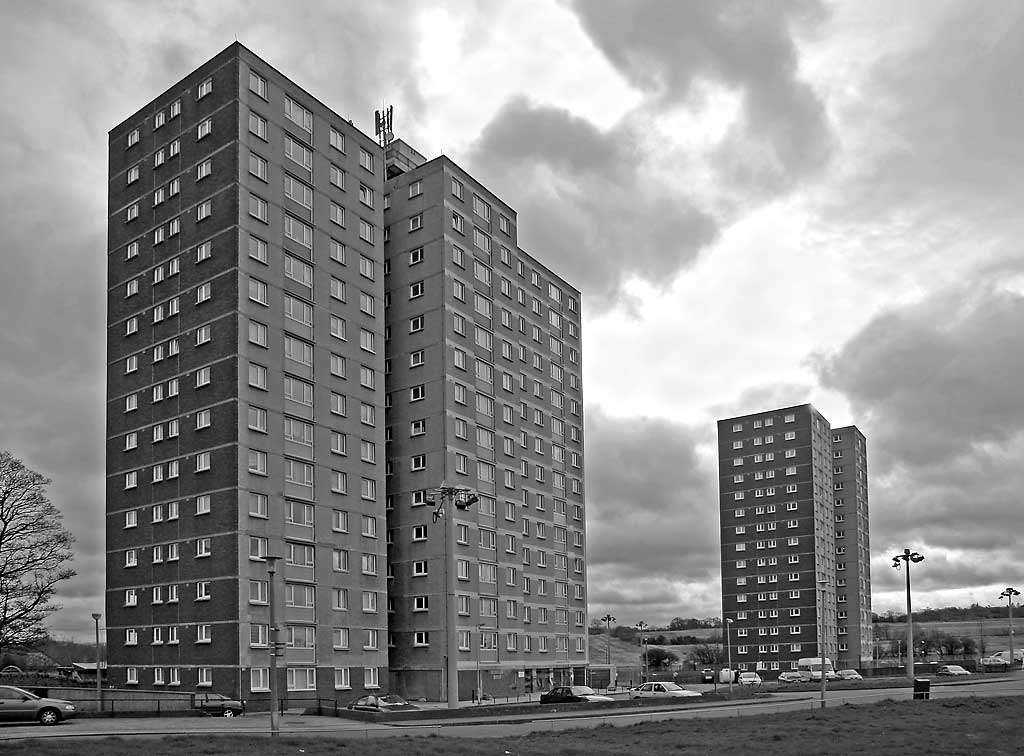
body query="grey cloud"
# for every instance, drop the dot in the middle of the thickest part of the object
(935, 386)
(937, 376)
(943, 125)
(765, 396)
(653, 517)
(586, 204)
(667, 48)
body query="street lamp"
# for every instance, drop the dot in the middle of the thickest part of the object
(728, 652)
(275, 707)
(822, 584)
(608, 619)
(461, 499)
(1008, 594)
(99, 682)
(642, 626)
(908, 557)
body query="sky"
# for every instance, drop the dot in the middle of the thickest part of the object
(764, 204)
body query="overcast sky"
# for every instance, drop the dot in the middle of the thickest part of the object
(764, 204)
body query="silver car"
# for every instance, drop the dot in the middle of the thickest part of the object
(661, 690)
(17, 704)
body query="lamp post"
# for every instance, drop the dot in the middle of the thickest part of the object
(728, 652)
(275, 707)
(1008, 594)
(821, 649)
(642, 627)
(461, 499)
(909, 557)
(608, 619)
(99, 681)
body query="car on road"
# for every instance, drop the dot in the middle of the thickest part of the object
(386, 704)
(952, 670)
(849, 674)
(573, 694)
(218, 705)
(749, 678)
(791, 677)
(995, 661)
(18, 704)
(661, 690)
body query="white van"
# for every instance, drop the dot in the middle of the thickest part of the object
(810, 668)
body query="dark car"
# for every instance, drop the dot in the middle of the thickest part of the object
(572, 694)
(18, 704)
(386, 704)
(791, 677)
(217, 705)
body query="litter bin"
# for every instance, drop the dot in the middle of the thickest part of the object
(922, 689)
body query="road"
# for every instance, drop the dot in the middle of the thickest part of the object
(297, 725)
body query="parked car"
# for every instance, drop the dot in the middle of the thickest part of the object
(791, 677)
(661, 690)
(217, 705)
(572, 694)
(952, 670)
(749, 678)
(849, 674)
(18, 704)
(387, 704)
(995, 661)
(707, 675)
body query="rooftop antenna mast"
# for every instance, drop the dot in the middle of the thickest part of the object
(382, 120)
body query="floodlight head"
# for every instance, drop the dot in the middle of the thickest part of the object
(896, 563)
(467, 501)
(915, 558)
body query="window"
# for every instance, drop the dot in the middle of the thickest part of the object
(258, 208)
(204, 129)
(366, 159)
(204, 251)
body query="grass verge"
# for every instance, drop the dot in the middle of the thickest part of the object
(952, 727)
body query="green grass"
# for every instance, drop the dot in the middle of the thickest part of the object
(952, 727)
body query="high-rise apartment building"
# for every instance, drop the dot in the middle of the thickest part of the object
(789, 582)
(484, 392)
(282, 300)
(245, 389)
(853, 546)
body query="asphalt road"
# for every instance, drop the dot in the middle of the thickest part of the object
(297, 725)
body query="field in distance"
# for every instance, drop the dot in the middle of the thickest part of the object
(952, 727)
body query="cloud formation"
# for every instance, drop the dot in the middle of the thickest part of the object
(652, 528)
(936, 386)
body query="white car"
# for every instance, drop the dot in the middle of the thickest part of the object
(749, 678)
(661, 690)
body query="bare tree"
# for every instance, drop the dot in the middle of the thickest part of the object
(34, 551)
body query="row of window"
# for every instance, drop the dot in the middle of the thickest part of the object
(298, 678)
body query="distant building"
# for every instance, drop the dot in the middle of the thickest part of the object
(794, 536)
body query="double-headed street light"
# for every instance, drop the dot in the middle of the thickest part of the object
(642, 627)
(461, 499)
(908, 557)
(1009, 595)
(608, 619)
